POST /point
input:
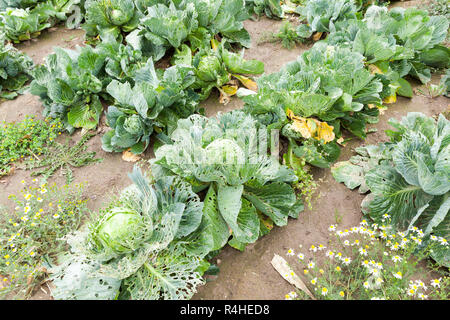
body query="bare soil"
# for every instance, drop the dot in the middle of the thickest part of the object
(243, 275)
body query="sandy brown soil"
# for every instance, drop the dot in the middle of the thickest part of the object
(243, 275)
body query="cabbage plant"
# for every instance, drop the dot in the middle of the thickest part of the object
(321, 15)
(170, 24)
(408, 178)
(396, 43)
(155, 102)
(70, 84)
(247, 190)
(270, 8)
(219, 68)
(110, 18)
(14, 71)
(311, 99)
(138, 248)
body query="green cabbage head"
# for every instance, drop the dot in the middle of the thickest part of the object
(120, 230)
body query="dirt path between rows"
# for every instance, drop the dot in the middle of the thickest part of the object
(243, 275)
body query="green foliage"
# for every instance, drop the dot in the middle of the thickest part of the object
(31, 234)
(14, 71)
(138, 247)
(61, 156)
(408, 177)
(27, 138)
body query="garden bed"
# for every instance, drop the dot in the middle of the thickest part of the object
(243, 275)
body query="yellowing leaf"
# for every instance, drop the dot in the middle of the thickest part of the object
(230, 89)
(302, 127)
(390, 99)
(311, 128)
(374, 69)
(247, 82)
(214, 44)
(317, 36)
(129, 156)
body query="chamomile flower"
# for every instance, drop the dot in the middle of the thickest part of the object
(290, 252)
(311, 265)
(313, 248)
(398, 275)
(26, 209)
(301, 256)
(314, 281)
(436, 283)
(324, 291)
(362, 251)
(346, 243)
(422, 296)
(365, 263)
(346, 260)
(366, 285)
(397, 258)
(338, 269)
(39, 199)
(329, 254)
(27, 196)
(321, 247)
(332, 228)
(342, 294)
(411, 292)
(443, 241)
(56, 216)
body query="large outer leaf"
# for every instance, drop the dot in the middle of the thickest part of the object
(169, 275)
(405, 156)
(394, 196)
(85, 116)
(74, 279)
(215, 224)
(274, 200)
(351, 175)
(239, 214)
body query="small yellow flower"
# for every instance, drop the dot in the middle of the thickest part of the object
(338, 269)
(342, 294)
(6, 256)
